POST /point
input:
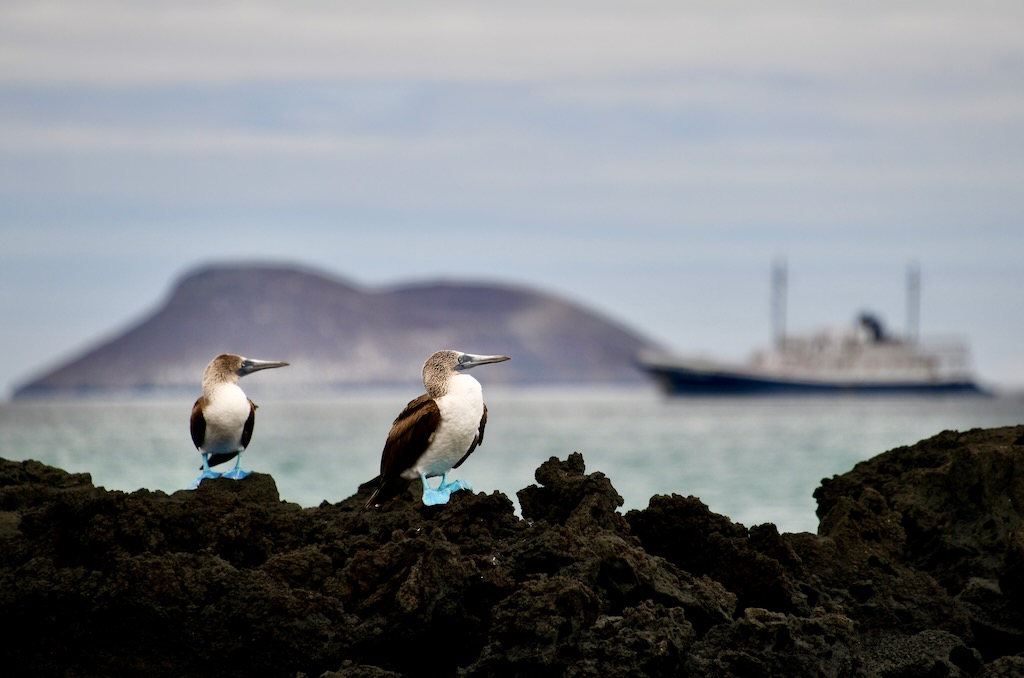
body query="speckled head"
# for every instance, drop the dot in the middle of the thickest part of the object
(230, 367)
(440, 367)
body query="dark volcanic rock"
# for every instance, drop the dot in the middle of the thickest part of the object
(228, 580)
(956, 507)
(337, 335)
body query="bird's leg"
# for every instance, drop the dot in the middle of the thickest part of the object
(453, 486)
(207, 472)
(432, 497)
(236, 473)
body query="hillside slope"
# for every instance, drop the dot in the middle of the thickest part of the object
(336, 334)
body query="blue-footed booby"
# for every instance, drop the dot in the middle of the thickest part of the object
(223, 417)
(436, 432)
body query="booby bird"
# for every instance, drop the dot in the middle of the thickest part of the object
(436, 432)
(223, 417)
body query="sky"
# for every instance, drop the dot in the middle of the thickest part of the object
(649, 160)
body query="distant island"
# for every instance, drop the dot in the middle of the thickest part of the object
(337, 335)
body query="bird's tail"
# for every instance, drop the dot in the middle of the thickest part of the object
(220, 458)
(384, 489)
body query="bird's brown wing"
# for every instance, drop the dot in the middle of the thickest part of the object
(477, 441)
(410, 435)
(197, 422)
(250, 424)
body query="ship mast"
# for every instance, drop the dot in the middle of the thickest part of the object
(913, 302)
(779, 302)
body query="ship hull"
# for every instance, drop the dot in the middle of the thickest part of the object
(681, 380)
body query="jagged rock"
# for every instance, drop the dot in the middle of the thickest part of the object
(1003, 667)
(925, 654)
(229, 580)
(689, 535)
(955, 505)
(766, 643)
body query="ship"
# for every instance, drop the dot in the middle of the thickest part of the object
(863, 358)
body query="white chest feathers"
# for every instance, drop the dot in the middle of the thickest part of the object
(227, 409)
(462, 408)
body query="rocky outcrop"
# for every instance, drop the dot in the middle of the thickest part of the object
(915, 571)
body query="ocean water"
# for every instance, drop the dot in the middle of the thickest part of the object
(755, 460)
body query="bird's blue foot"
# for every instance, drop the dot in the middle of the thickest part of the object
(443, 493)
(455, 486)
(433, 497)
(235, 474)
(207, 473)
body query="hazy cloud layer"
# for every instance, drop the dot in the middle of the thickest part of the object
(647, 158)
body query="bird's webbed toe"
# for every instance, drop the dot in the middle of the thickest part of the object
(433, 497)
(207, 473)
(455, 486)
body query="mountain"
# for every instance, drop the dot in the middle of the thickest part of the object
(337, 335)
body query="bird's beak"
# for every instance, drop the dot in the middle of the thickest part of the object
(250, 365)
(467, 360)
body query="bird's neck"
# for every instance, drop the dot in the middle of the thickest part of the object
(436, 389)
(461, 386)
(217, 380)
(458, 382)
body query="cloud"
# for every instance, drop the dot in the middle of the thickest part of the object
(121, 41)
(637, 151)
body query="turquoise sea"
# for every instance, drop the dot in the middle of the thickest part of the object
(755, 460)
